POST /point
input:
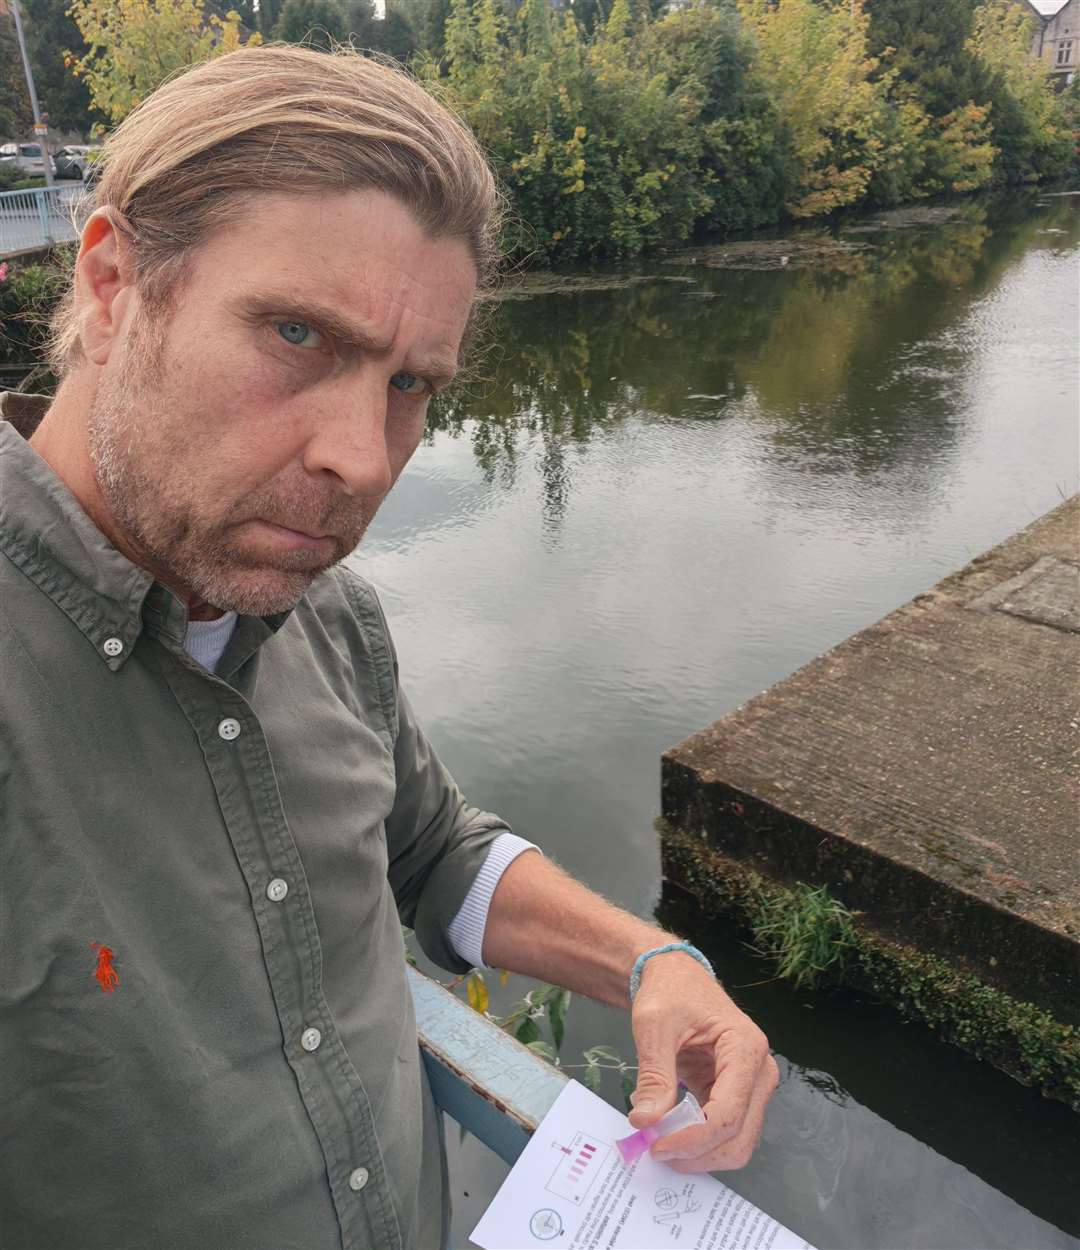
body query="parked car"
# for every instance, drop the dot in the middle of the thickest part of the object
(92, 168)
(74, 160)
(28, 158)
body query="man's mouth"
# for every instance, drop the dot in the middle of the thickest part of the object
(294, 539)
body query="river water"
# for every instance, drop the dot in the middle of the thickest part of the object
(666, 489)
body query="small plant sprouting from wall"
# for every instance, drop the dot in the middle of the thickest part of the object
(806, 932)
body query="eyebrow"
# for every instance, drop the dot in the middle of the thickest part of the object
(437, 367)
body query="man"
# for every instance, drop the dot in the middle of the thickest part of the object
(216, 806)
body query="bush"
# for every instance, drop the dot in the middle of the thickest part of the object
(28, 295)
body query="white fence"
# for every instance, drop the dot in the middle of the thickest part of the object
(38, 218)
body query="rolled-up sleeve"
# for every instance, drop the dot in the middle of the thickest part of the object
(437, 842)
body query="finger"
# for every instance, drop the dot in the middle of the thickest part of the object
(738, 1072)
(736, 1153)
(723, 1124)
(657, 1083)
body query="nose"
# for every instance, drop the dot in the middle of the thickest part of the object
(348, 440)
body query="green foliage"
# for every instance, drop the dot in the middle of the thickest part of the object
(16, 116)
(1031, 131)
(806, 931)
(132, 46)
(28, 295)
(820, 75)
(922, 43)
(50, 32)
(317, 23)
(543, 1009)
(427, 21)
(615, 131)
(599, 142)
(394, 35)
(10, 176)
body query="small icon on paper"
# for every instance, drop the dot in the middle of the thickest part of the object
(675, 1206)
(545, 1224)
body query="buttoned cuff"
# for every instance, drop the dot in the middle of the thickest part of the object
(466, 930)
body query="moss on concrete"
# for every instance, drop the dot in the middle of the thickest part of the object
(1015, 1036)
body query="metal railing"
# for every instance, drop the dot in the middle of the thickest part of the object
(480, 1076)
(30, 220)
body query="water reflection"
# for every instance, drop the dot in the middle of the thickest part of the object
(851, 356)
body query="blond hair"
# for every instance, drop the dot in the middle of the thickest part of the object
(282, 118)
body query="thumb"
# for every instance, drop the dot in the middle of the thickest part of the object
(657, 1081)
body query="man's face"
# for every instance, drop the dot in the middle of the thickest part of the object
(243, 443)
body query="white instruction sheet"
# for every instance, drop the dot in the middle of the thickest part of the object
(570, 1190)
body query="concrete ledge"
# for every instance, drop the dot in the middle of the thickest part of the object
(925, 770)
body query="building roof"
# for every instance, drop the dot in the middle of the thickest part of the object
(1048, 8)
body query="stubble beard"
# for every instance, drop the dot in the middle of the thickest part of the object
(152, 507)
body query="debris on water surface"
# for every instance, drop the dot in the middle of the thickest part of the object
(914, 217)
(530, 285)
(790, 252)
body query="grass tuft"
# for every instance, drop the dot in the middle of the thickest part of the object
(806, 932)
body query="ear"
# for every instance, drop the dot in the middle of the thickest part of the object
(104, 283)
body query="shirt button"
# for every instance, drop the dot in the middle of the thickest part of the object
(112, 646)
(276, 890)
(310, 1039)
(229, 729)
(358, 1178)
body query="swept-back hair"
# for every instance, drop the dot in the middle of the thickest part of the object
(282, 118)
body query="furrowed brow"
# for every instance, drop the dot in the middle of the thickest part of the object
(438, 367)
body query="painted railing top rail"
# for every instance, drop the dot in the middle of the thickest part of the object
(498, 1089)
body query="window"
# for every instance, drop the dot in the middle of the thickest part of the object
(1064, 55)
(29, 149)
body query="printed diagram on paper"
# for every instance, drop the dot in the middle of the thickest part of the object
(579, 1165)
(674, 1203)
(570, 1190)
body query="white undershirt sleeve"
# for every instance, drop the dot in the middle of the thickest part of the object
(466, 930)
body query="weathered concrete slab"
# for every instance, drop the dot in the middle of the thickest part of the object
(926, 769)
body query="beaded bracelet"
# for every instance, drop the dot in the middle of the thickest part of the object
(685, 947)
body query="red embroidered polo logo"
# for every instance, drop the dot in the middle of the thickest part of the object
(105, 972)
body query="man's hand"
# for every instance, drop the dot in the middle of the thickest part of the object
(544, 924)
(687, 1028)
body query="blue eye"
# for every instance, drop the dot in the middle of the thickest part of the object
(299, 334)
(409, 383)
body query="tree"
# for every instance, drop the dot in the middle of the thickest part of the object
(395, 36)
(15, 112)
(705, 50)
(360, 21)
(923, 44)
(1030, 127)
(820, 74)
(427, 19)
(134, 45)
(317, 23)
(269, 12)
(49, 31)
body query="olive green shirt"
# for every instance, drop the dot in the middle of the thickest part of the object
(206, 1037)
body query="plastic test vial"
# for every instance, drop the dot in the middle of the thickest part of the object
(682, 1115)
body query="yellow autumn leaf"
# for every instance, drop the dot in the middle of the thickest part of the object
(477, 992)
